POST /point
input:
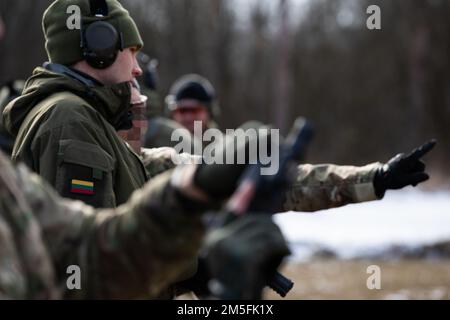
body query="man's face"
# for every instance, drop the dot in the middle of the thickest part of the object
(124, 69)
(188, 111)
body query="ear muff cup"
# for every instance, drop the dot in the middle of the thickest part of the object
(101, 44)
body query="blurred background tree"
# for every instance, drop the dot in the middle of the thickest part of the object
(370, 93)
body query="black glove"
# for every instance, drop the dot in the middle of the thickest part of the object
(402, 170)
(243, 256)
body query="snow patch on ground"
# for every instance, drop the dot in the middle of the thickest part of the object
(409, 218)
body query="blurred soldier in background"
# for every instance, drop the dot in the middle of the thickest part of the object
(193, 98)
(159, 128)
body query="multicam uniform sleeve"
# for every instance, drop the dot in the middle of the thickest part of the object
(26, 270)
(158, 160)
(316, 187)
(133, 251)
(326, 186)
(12, 274)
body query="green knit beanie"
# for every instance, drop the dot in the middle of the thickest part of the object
(63, 44)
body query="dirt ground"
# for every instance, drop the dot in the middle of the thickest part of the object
(337, 279)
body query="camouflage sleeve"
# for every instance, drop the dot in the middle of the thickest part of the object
(12, 274)
(316, 187)
(26, 271)
(133, 251)
(326, 186)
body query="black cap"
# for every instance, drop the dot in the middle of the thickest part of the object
(193, 86)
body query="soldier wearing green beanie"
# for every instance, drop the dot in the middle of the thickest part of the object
(66, 120)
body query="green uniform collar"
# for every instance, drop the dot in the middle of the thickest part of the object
(112, 102)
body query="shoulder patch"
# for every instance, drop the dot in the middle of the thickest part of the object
(82, 186)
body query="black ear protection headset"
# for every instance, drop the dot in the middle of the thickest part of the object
(100, 41)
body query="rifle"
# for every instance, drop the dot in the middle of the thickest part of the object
(265, 193)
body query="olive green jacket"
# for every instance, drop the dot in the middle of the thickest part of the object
(66, 132)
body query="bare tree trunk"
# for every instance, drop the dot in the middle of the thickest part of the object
(282, 83)
(418, 59)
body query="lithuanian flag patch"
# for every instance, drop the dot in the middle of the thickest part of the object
(82, 187)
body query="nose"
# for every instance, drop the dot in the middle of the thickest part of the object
(137, 71)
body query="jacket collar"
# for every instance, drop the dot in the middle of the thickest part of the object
(111, 101)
